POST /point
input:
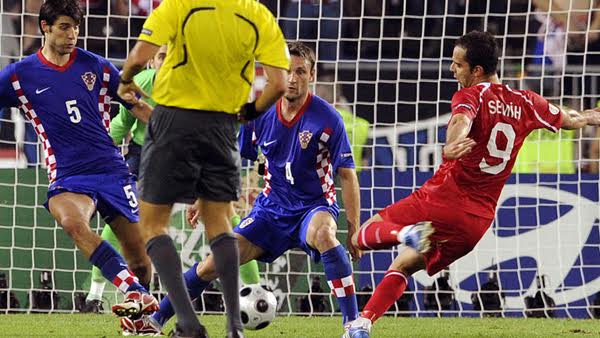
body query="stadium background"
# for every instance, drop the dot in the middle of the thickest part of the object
(388, 63)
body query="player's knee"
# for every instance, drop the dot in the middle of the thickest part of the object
(409, 264)
(75, 227)
(408, 270)
(324, 238)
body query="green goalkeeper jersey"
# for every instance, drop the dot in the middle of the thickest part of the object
(546, 152)
(357, 129)
(125, 121)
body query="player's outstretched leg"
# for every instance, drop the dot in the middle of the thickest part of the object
(194, 285)
(249, 273)
(138, 301)
(73, 211)
(389, 290)
(377, 234)
(93, 301)
(114, 268)
(417, 236)
(199, 276)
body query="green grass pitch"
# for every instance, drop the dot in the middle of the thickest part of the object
(85, 325)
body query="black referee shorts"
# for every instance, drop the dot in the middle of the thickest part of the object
(190, 154)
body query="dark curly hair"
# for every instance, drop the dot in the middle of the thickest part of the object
(52, 9)
(482, 50)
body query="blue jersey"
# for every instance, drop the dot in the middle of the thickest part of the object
(69, 108)
(302, 155)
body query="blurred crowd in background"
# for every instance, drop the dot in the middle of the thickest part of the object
(386, 61)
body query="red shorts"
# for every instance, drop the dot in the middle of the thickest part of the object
(456, 232)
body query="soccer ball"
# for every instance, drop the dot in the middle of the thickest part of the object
(257, 306)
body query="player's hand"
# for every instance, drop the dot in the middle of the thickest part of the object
(355, 252)
(129, 92)
(193, 214)
(459, 148)
(592, 116)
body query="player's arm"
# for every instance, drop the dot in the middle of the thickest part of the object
(138, 108)
(351, 198)
(246, 142)
(139, 56)
(8, 96)
(274, 89)
(343, 165)
(457, 142)
(271, 51)
(142, 111)
(136, 61)
(160, 28)
(572, 119)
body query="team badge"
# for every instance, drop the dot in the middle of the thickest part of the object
(304, 137)
(89, 79)
(246, 222)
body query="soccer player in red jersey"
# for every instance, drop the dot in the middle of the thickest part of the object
(445, 219)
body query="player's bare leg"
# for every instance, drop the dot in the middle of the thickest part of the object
(338, 270)
(321, 232)
(248, 271)
(73, 212)
(132, 244)
(133, 249)
(389, 290)
(154, 220)
(199, 276)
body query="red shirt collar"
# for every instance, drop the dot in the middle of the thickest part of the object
(289, 124)
(57, 67)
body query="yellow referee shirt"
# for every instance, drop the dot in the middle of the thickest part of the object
(213, 45)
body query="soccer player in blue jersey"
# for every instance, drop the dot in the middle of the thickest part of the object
(305, 145)
(65, 92)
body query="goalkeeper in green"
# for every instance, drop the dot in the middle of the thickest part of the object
(120, 127)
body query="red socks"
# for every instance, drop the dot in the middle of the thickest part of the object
(378, 235)
(388, 291)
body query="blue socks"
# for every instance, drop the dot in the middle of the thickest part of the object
(194, 284)
(339, 278)
(114, 268)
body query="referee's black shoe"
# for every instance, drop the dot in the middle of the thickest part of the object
(235, 334)
(178, 333)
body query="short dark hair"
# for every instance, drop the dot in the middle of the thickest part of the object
(298, 48)
(52, 9)
(481, 50)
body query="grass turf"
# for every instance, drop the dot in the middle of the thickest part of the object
(86, 325)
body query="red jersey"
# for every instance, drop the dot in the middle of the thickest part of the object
(502, 118)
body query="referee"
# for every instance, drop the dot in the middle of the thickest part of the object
(190, 150)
